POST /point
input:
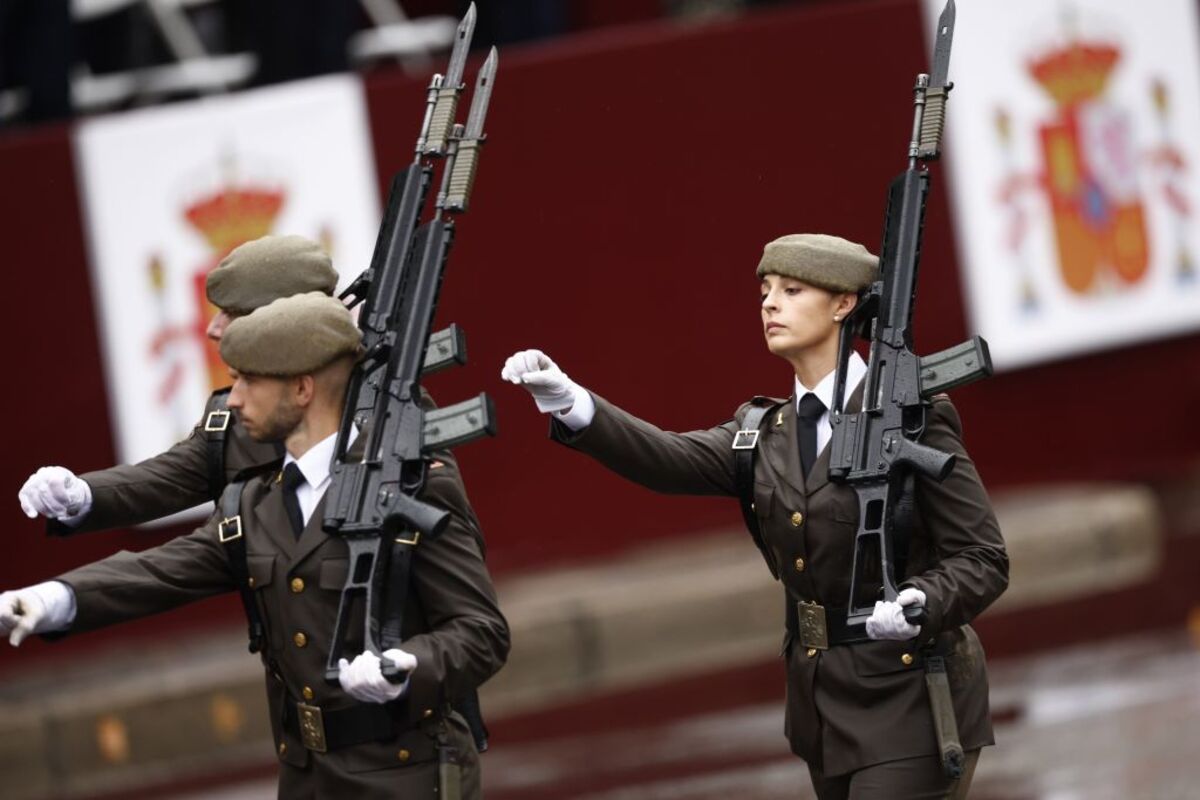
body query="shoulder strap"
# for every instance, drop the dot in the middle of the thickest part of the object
(229, 532)
(216, 425)
(745, 445)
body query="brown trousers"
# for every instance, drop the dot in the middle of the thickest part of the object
(906, 779)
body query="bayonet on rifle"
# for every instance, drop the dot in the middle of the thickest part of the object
(936, 90)
(462, 175)
(445, 96)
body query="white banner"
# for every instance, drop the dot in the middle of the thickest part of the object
(1073, 142)
(168, 192)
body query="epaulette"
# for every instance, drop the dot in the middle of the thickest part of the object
(245, 474)
(763, 400)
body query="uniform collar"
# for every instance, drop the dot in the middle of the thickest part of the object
(315, 462)
(856, 368)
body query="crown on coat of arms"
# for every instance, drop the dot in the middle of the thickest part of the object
(1075, 73)
(234, 215)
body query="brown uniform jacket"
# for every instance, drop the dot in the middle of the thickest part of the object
(852, 705)
(169, 482)
(452, 623)
(178, 479)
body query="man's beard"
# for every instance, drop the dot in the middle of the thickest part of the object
(280, 424)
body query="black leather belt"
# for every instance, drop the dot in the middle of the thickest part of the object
(322, 730)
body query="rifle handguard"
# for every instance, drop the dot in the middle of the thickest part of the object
(462, 177)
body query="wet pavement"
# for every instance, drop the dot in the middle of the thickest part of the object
(1114, 720)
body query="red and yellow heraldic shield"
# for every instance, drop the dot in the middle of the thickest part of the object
(230, 217)
(1091, 176)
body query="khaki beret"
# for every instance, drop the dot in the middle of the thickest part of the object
(829, 262)
(257, 272)
(294, 335)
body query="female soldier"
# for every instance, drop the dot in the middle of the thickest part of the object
(857, 711)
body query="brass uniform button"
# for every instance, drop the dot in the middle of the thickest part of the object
(282, 748)
(297, 585)
(797, 519)
(812, 652)
(403, 755)
(800, 565)
(250, 582)
(907, 659)
(300, 640)
(427, 713)
(308, 693)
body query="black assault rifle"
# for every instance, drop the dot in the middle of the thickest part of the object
(876, 450)
(372, 501)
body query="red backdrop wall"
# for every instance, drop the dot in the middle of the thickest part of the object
(631, 180)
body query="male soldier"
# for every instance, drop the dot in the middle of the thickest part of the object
(367, 738)
(195, 469)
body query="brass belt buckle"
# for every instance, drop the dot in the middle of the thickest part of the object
(813, 630)
(312, 727)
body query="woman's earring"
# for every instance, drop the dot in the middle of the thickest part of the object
(837, 319)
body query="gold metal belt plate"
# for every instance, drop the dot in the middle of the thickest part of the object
(813, 630)
(312, 727)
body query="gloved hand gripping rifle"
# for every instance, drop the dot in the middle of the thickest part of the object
(876, 450)
(372, 501)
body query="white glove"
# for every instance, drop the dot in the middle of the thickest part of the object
(363, 680)
(55, 492)
(541, 377)
(888, 622)
(48, 606)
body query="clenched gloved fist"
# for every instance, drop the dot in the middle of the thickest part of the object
(541, 377)
(55, 492)
(363, 680)
(43, 607)
(888, 622)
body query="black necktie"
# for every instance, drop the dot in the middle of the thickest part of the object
(292, 478)
(808, 413)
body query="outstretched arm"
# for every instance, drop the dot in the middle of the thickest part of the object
(698, 462)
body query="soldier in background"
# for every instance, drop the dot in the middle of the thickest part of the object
(366, 738)
(857, 711)
(194, 470)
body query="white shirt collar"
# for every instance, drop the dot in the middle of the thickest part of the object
(856, 370)
(314, 464)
